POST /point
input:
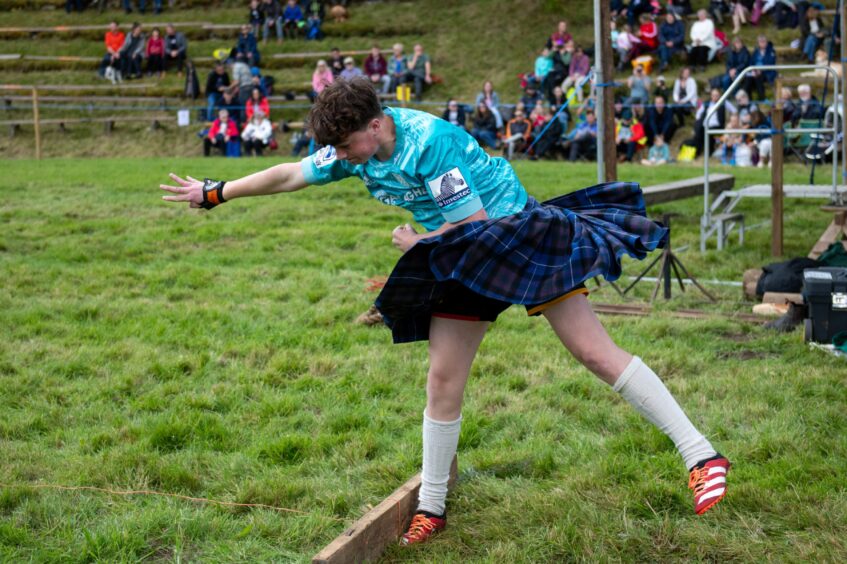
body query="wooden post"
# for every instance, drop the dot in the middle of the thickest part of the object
(777, 148)
(607, 112)
(367, 538)
(36, 123)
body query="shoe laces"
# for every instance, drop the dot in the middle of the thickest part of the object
(697, 479)
(420, 527)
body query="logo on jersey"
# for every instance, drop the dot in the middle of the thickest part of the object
(325, 156)
(448, 188)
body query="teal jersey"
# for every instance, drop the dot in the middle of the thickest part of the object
(437, 171)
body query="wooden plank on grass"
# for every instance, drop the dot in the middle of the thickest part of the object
(367, 538)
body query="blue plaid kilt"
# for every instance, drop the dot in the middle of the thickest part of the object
(530, 257)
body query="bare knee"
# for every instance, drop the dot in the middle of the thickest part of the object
(607, 362)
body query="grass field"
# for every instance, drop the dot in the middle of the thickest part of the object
(146, 346)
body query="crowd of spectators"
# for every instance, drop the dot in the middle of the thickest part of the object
(555, 112)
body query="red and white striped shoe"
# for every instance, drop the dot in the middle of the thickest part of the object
(423, 526)
(708, 480)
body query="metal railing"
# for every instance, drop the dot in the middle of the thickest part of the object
(706, 220)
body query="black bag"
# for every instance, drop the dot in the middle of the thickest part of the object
(192, 84)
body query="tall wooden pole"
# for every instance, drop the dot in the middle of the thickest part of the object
(36, 123)
(606, 112)
(776, 173)
(843, 94)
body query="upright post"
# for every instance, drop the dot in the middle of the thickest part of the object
(607, 110)
(776, 174)
(843, 96)
(599, 91)
(36, 123)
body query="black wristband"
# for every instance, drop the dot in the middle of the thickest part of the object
(213, 193)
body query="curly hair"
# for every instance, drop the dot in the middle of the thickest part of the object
(342, 108)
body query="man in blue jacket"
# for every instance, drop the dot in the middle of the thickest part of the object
(763, 54)
(659, 121)
(671, 39)
(737, 60)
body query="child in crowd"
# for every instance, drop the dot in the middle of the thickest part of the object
(659, 153)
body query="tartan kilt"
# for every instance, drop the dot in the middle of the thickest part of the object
(529, 257)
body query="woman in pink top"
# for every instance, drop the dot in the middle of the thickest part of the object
(320, 78)
(156, 53)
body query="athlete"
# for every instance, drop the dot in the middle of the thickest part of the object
(487, 245)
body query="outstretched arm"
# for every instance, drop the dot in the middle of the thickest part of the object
(287, 177)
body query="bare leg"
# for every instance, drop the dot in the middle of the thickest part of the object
(452, 347)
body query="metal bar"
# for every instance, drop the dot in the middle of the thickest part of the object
(786, 130)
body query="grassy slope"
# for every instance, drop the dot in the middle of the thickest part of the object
(146, 346)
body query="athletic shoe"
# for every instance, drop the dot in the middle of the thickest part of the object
(708, 480)
(423, 526)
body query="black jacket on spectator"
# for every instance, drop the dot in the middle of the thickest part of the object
(811, 109)
(176, 42)
(806, 29)
(660, 124)
(461, 118)
(215, 81)
(486, 122)
(738, 60)
(672, 32)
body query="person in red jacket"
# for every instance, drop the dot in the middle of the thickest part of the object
(223, 130)
(257, 102)
(649, 33)
(156, 53)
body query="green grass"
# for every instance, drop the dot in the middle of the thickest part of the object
(146, 346)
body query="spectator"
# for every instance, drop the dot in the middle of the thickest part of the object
(764, 54)
(543, 66)
(273, 18)
(454, 113)
(661, 88)
(737, 60)
(257, 103)
(639, 86)
(263, 83)
(114, 41)
(491, 99)
(808, 106)
(191, 90)
(659, 153)
(671, 39)
(684, 95)
(625, 138)
(223, 131)
(560, 62)
(376, 68)
(659, 121)
(484, 128)
(764, 143)
(717, 120)
(320, 78)
(242, 79)
(350, 71)
(292, 19)
(300, 142)
(635, 9)
(812, 32)
(578, 69)
(132, 53)
(717, 8)
(419, 71)
(549, 133)
(531, 96)
(648, 32)
(256, 17)
(680, 8)
(229, 101)
(582, 141)
(558, 102)
(704, 43)
(397, 66)
(155, 53)
(743, 106)
(740, 14)
(314, 8)
(785, 14)
(142, 6)
(789, 108)
(313, 27)
(257, 135)
(176, 47)
(628, 46)
(248, 46)
(518, 133)
(560, 36)
(71, 4)
(336, 61)
(729, 141)
(216, 83)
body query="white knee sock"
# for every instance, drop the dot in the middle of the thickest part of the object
(440, 441)
(648, 395)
